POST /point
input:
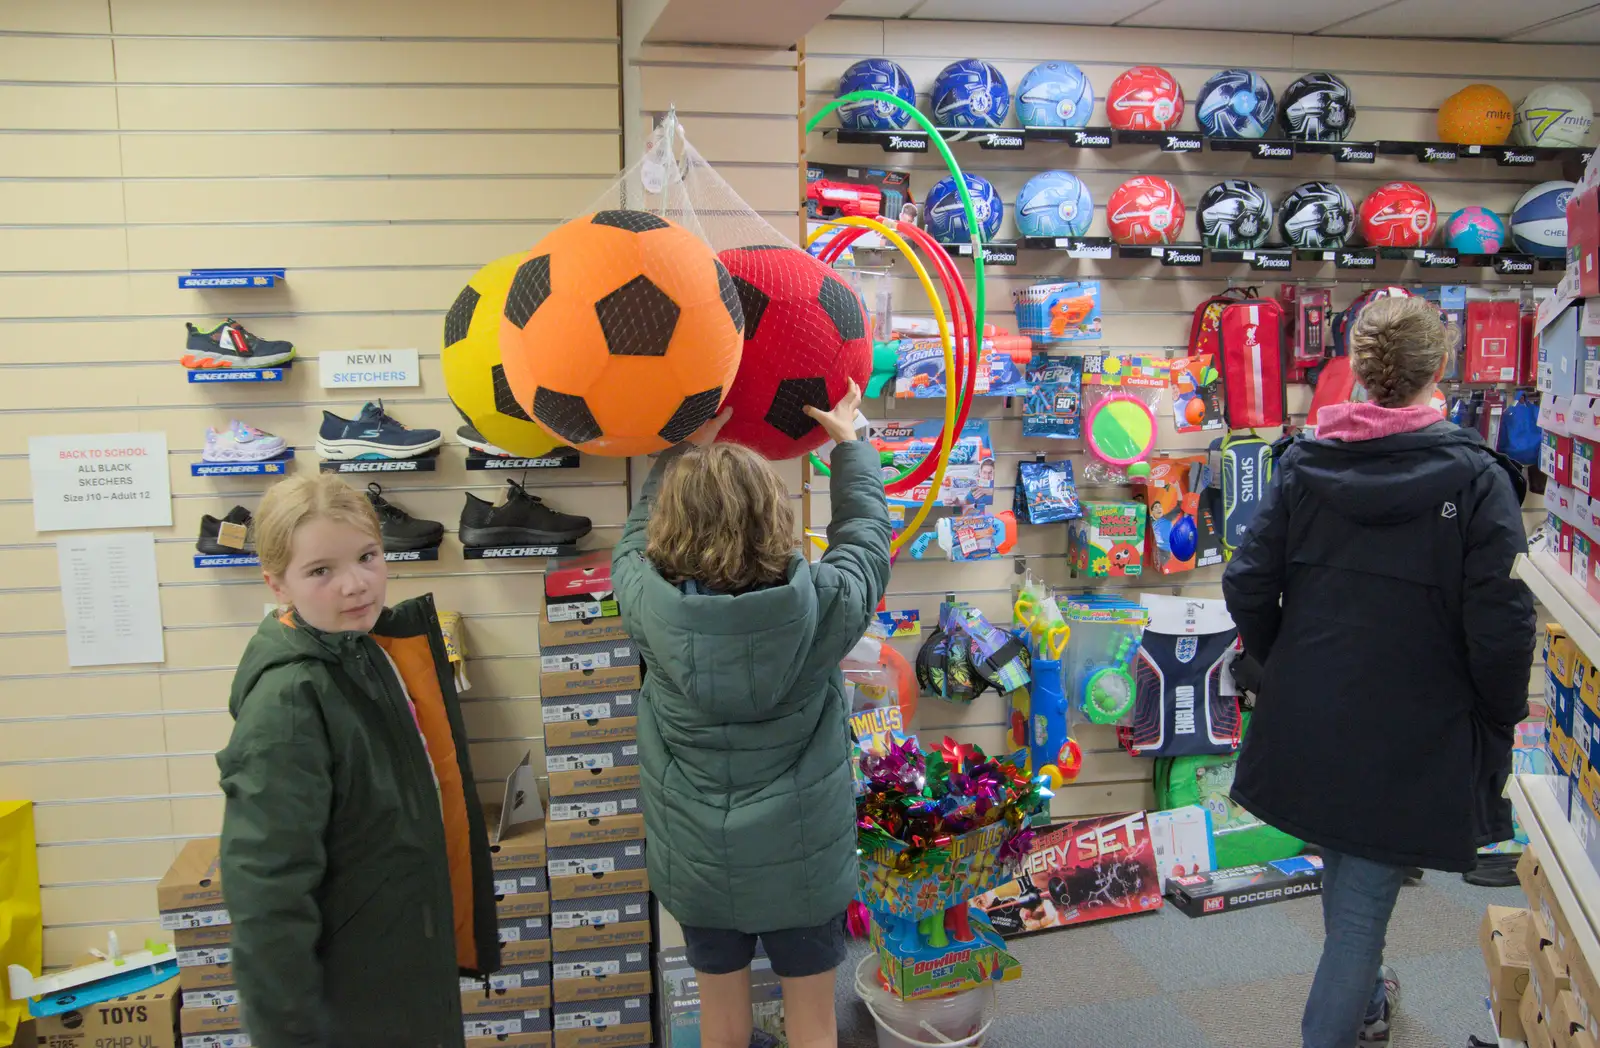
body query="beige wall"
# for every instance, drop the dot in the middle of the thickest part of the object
(1397, 85)
(382, 151)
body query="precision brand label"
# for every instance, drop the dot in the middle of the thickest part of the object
(1274, 151)
(1182, 257)
(1182, 144)
(1354, 154)
(1091, 139)
(1356, 260)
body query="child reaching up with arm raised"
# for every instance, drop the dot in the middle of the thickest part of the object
(742, 722)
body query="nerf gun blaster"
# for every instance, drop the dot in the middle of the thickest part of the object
(833, 199)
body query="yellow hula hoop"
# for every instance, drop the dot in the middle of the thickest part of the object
(945, 339)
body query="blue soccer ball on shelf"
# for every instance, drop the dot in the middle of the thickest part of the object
(944, 219)
(1055, 94)
(876, 74)
(970, 93)
(1236, 103)
(1054, 204)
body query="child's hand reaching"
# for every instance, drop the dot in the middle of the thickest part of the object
(706, 435)
(840, 423)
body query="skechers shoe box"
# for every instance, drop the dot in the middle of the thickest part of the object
(189, 897)
(603, 1024)
(522, 896)
(592, 923)
(588, 669)
(579, 587)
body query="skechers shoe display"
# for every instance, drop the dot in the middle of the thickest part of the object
(469, 436)
(229, 345)
(372, 434)
(521, 520)
(401, 531)
(211, 531)
(241, 442)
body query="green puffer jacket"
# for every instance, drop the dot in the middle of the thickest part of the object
(742, 722)
(359, 890)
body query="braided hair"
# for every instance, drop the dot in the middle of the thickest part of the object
(1397, 348)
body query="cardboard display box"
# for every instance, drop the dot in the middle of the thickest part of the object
(194, 880)
(577, 832)
(594, 806)
(592, 885)
(1534, 1030)
(148, 1019)
(580, 733)
(521, 849)
(1503, 937)
(1242, 887)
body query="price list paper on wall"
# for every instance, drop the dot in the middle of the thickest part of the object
(100, 480)
(110, 600)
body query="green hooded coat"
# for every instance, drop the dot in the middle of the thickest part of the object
(748, 797)
(359, 890)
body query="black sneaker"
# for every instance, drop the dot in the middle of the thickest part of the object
(211, 530)
(402, 531)
(470, 436)
(522, 520)
(229, 345)
(372, 434)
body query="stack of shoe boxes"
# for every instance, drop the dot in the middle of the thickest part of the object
(190, 898)
(1560, 1005)
(599, 890)
(511, 1009)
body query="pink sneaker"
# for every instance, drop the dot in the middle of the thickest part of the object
(241, 442)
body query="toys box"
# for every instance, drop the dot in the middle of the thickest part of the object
(148, 1019)
(588, 709)
(1080, 871)
(969, 480)
(593, 807)
(573, 733)
(1503, 936)
(914, 970)
(678, 1003)
(1183, 843)
(1241, 887)
(1108, 540)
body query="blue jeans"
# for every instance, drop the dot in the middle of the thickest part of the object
(1357, 898)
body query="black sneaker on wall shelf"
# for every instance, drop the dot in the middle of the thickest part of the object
(401, 531)
(239, 528)
(521, 520)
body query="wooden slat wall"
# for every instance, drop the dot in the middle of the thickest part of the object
(1398, 85)
(382, 150)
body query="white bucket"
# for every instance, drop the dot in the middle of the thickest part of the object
(957, 1021)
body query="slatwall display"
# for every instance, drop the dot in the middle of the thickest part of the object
(1146, 307)
(381, 152)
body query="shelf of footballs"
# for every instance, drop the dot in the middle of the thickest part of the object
(1268, 258)
(1272, 150)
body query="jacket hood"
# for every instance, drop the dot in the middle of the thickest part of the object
(1397, 478)
(276, 644)
(1364, 420)
(733, 656)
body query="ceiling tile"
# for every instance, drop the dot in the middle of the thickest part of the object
(1584, 29)
(876, 8)
(1486, 19)
(1262, 16)
(1058, 12)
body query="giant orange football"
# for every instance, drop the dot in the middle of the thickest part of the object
(621, 333)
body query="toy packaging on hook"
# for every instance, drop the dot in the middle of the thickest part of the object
(1053, 407)
(1045, 493)
(1196, 394)
(1172, 495)
(1099, 663)
(1038, 722)
(1059, 312)
(968, 483)
(920, 375)
(1107, 541)
(1120, 397)
(976, 536)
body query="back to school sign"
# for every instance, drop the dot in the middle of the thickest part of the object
(100, 480)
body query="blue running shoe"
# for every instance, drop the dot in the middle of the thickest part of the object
(372, 434)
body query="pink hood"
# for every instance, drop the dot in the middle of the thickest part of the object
(1368, 421)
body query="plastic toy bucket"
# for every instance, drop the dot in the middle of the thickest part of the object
(958, 1021)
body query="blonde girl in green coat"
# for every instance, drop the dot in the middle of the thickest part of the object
(742, 721)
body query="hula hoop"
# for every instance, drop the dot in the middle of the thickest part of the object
(945, 339)
(965, 374)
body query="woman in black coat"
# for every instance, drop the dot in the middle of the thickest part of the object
(1375, 588)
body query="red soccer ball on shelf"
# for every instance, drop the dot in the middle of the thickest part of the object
(1398, 214)
(805, 337)
(1144, 98)
(1146, 209)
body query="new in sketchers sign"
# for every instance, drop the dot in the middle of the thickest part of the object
(367, 368)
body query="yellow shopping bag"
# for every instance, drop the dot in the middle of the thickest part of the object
(21, 930)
